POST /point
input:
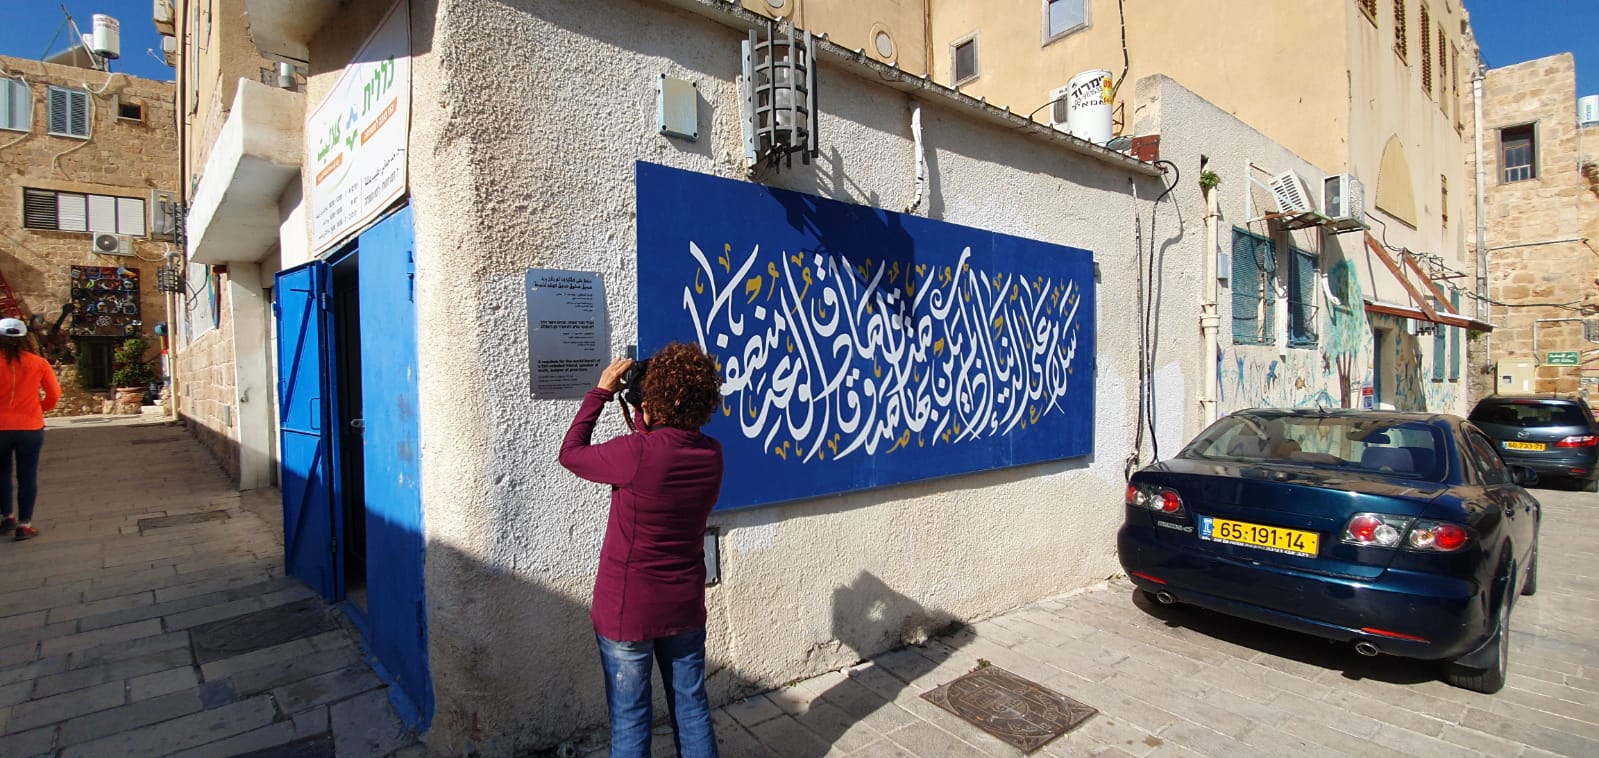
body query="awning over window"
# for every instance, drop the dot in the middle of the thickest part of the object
(1436, 308)
(1437, 317)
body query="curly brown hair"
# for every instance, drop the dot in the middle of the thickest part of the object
(682, 387)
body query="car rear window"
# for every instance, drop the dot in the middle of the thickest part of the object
(1411, 449)
(1527, 414)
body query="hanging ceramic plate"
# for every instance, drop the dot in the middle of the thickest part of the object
(103, 321)
(130, 308)
(91, 273)
(77, 273)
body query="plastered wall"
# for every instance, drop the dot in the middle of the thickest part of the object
(526, 160)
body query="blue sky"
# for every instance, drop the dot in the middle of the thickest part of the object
(1510, 31)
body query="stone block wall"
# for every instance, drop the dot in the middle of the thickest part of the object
(205, 385)
(1543, 265)
(123, 157)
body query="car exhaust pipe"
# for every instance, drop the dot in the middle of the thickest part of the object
(1166, 598)
(1366, 648)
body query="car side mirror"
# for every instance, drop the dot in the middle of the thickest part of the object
(1523, 475)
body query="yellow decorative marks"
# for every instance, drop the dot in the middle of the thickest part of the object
(1038, 284)
(726, 411)
(791, 346)
(1032, 414)
(752, 287)
(753, 411)
(921, 441)
(904, 439)
(999, 323)
(877, 369)
(771, 270)
(832, 444)
(893, 273)
(797, 259)
(699, 286)
(938, 346)
(725, 258)
(947, 276)
(1015, 292)
(910, 289)
(782, 450)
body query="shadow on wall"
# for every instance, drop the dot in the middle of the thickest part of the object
(544, 683)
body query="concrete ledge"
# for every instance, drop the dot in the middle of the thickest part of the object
(283, 28)
(234, 216)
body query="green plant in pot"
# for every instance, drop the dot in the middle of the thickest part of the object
(129, 368)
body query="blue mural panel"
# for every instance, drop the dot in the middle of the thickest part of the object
(859, 347)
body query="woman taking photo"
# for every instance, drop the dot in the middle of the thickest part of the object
(649, 594)
(23, 376)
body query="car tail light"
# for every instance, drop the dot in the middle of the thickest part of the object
(1157, 499)
(1438, 536)
(1579, 440)
(1386, 530)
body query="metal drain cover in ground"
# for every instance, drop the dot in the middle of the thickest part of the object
(261, 629)
(1023, 714)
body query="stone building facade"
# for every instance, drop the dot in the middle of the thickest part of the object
(1541, 213)
(86, 154)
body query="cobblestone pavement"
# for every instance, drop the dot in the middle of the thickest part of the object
(1174, 681)
(151, 616)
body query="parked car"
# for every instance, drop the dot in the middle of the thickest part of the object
(1403, 533)
(1554, 436)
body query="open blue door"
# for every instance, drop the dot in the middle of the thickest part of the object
(391, 438)
(306, 467)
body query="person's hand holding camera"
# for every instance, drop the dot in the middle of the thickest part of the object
(611, 377)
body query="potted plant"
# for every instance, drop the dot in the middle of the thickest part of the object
(131, 374)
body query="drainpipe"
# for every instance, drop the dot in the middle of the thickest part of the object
(1209, 320)
(1482, 221)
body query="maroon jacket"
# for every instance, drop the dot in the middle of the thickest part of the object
(664, 481)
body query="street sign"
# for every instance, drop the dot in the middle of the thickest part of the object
(1562, 358)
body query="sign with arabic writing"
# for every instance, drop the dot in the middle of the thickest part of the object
(567, 339)
(860, 347)
(357, 137)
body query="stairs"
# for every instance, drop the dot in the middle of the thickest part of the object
(10, 307)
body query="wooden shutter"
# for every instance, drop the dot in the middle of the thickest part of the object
(38, 209)
(102, 214)
(80, 113)
(72, 212)
(59, 104)
(1245, 283)
(69, 112)
(130, 216)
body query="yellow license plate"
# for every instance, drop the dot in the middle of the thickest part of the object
(1273, 538)
(1525, 446)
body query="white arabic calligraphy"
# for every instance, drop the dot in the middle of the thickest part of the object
(824, 359)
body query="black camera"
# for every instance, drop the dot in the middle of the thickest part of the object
(632, 390)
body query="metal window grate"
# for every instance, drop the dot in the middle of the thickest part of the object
(39, 209)
(1426, 52)
(1401, 44)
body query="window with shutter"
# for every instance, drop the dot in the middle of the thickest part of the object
(1301, 298)
(69, 112)
(73, 212)
(963, 64)
(38, 209)
(16, 106)
(1426, 52)
(130, 216)
(1254, 289)
(102, 214)
(1455, 358)
(1401, 43)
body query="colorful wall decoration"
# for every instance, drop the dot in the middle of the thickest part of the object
(860, 347)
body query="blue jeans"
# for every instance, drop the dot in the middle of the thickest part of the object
(627, 689)
(25, 446)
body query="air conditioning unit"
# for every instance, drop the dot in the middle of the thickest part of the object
(1343, 199)
(1291, 193)
(163, 16)
(112, 244)
(1060, 106)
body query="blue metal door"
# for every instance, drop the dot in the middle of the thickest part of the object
(306, 466)
(392, 448)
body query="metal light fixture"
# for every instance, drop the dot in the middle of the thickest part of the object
(169, 279)
(779, 89)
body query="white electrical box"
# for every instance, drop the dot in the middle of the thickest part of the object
(1515, 377)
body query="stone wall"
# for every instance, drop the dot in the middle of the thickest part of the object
(123, 157)
(204, 382)
(1543, 267)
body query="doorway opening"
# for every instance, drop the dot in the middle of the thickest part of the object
(346, 307)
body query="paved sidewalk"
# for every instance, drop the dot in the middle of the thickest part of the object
(151, 616)
(1173, 681)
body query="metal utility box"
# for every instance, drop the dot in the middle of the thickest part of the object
(1515, 377)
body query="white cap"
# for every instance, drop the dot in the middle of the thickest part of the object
(11, 327)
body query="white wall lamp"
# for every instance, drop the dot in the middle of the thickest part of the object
(779, 93)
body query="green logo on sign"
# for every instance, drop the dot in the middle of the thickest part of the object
(1562, 358)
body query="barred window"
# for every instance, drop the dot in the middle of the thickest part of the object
(1254, 280)
(1368, 7)
(1443, 71)
(1518, 153)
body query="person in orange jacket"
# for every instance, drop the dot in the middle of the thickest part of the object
(24, 377)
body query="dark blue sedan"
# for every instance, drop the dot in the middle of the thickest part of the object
(1403, 533)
